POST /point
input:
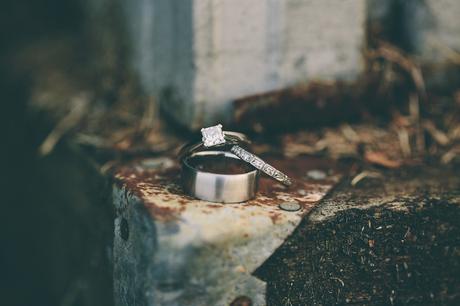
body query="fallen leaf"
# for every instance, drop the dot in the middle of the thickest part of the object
(381, 159)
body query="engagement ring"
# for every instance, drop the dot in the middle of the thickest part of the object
(214, 136)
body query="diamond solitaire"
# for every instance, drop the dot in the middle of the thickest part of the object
(213, 136)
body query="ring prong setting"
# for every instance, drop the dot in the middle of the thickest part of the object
(213, 136)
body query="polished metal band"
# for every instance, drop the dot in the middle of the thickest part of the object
(215, 187)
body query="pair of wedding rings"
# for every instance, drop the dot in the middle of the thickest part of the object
(200, 178)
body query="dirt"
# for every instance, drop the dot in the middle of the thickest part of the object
(374, 256)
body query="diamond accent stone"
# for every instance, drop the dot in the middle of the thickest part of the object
(246, 156)
(261, 165)
(258, 163)
(269, 170)
(213, 136)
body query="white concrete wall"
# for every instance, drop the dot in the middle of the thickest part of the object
(196, 56)
(205, 53)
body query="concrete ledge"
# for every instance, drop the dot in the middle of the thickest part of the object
(171, 249)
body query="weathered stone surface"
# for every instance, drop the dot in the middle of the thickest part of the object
(392, 240)
(171, 249)
(199, 55)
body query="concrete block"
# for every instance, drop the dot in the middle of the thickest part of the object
(170, 249)
(197, 56)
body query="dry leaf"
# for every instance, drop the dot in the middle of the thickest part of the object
(381, 159)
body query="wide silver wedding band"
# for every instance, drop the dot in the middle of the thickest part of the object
(215, 187)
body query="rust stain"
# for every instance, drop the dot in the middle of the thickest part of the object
(214, 205)
(165, 183)
(275, 217)
(144, 182)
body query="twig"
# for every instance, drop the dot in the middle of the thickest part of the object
(439, 136)
(395, 55)
(363, 175)
(148, 119)
(339, 280)
(404, 142)
(450, 155)
(414, 109)
(78, 110)
(454, 133)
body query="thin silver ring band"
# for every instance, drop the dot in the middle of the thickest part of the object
(261, 165)
(215, 187)
(214, 137)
